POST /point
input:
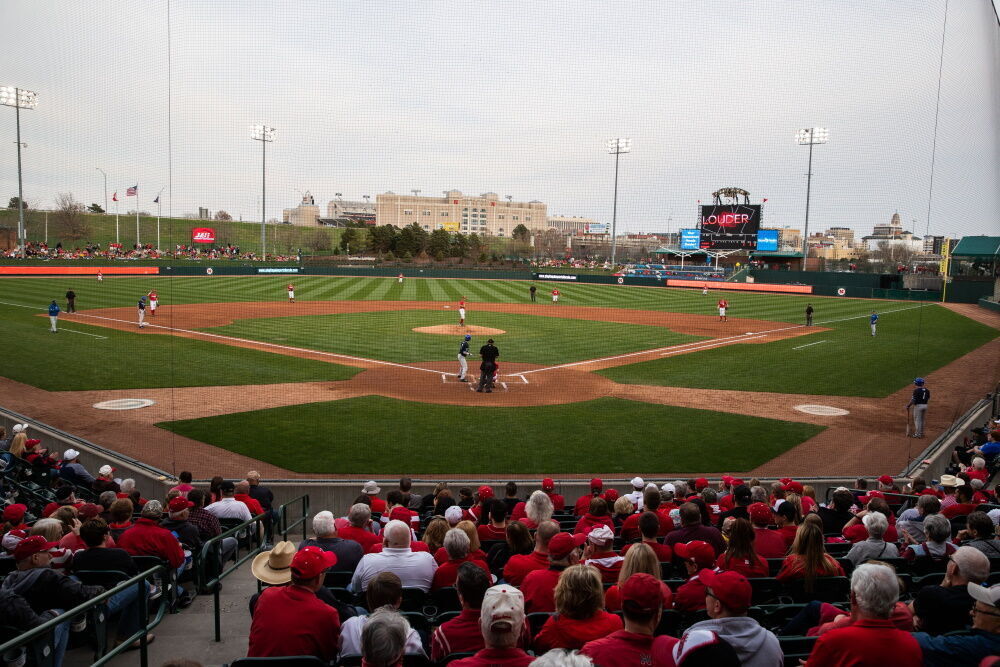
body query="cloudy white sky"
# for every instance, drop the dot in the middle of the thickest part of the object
(516, 98)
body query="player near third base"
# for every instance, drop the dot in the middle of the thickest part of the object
(154, 301)
(723, 307)
(141, 311)
(461, 312)
(463, 364)
(291, 293)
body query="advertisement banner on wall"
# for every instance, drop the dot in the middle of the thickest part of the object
(596, 228)
(448, 226)
(203, 235)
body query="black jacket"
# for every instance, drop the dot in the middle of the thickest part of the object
(45, 589)
(187, 533)
(101, 559)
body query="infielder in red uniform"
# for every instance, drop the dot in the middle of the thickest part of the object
(100, 277)
(723, 305)
(461, 312)
(153, 302)
(291, 293)
(555, 296)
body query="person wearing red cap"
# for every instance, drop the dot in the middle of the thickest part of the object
(740, 555)
(696, 555)
(582, 504)
(597, 515)
(580, 615)
(887, 485)
(642, 608)
(477, 512)
(549, 487)
(13, 518)
(871, 639)
(727, 599)
(291, 620)
(176, 521)
(519, 565)
(539, 586)
(767, 543)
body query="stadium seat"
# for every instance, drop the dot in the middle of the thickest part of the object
(414, 599)
(536, 620)
(795, 649)
(451, 657)
(766, 590)
(825, 589)
(446, 599)
(286, 661)
(337, 579)
(343, 595)
(670, 623)
(418, 622)
(445, 616)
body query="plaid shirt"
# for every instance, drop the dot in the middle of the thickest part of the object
(206, 522)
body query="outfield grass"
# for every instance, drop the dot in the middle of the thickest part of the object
(844, 361)
(389, 336)
(375, 435)
(82, 357)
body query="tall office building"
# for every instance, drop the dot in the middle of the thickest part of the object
(455, 212)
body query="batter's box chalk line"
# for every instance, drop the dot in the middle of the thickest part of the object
(822, 410)
(125, 404)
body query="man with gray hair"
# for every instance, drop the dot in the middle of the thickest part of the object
(945, 608)
(383, 639)
(348, 552)
(871, 638)
(359, 518)
(414, 568)
(936, 548)
(457, 544)
(911, 521)
(501, 620)
(875, 547)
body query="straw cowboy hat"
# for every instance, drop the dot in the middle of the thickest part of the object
(273, 567)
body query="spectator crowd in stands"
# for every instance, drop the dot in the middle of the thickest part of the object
(117, 251)
(681, 573)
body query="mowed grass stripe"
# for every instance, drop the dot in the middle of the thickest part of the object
(365, 435)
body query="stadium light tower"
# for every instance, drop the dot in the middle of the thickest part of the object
(105, 189)
(264, 134)
(19, 98)
(809, 137)
(616, 147)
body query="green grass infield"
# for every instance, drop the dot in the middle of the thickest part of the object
(375, 435)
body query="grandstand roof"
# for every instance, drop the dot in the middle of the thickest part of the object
(977, 246)
(674, 250)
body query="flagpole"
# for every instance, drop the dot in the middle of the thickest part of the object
(159, 209)
(117, 213)
(137, 242)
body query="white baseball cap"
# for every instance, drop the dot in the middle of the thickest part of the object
(502, 610)
(637, 483)
(988, 595)
(105, 470)
(70, 454)
(453, 514)
(668, 488)
(600, 534)
(17, 428)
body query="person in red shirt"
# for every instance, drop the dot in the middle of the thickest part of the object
(599, 554)
(456, 542)
(649, 528)
(13, 518)
(696, 556)
(963, 507)
(462, 633)
(808, 558)
(582, 504)
(767, 543)
(549, 487)
(642, 607)
(723, 305)
(243, 495)
(291, 293)
(371, 489)
(501, 621)
(854, 529)
(650, 503)
(539, 586)
(579, 616)
(477, 513)
(596, 516)
(461, 312)
(871, 638)
(496, 528)
(639, 559)
(154, 301)
(787, 518)
(291, 620)
(978, 470)
(519, 565)
(147, 538)
(359, 518)
(740, 555)
(555, 296)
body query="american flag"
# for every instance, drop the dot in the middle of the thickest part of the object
(115, 197)
(132, 191)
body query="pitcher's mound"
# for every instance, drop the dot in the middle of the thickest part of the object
(455, 330)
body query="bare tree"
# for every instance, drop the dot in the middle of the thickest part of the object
(69, 217)
(891, 255)
(222, 215)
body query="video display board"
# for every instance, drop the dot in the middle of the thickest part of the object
(767, 240)
(690, 239)
(729, 226)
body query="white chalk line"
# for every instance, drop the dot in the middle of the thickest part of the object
(21, 305)
(707, 346)
(82, 332)
(810, 344)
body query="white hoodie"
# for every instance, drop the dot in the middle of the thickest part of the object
(756, 646)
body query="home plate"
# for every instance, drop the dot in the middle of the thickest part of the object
(822, 410)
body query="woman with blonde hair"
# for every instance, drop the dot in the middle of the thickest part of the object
(579, 616)
(537, 509)
(623, 509)
(808, 558)
(475, 546)
(52, 530)
(433, 535)
(639, 558)
(809, 503)
(17, 444)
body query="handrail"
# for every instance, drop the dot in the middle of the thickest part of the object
(283, 516)
(145, 626)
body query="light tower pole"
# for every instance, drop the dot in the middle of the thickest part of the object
(19, 98)
(809, 137)
(265, 135)
(616, 147)
(105, 189)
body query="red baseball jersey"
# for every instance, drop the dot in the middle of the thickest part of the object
(291, 287)
(461, 304)
(152, 296)
(555, 292)
(723, 303)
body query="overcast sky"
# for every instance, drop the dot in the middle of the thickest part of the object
(515, 98)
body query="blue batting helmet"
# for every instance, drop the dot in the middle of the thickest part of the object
(468, 337)
(918, 381)
(142, 298)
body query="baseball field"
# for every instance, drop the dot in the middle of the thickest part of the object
(358, 376)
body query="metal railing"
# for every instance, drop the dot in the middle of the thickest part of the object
(252, 535)
(45, 656)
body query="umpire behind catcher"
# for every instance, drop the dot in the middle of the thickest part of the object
(489, 354)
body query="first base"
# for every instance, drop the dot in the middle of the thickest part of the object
(749, 333)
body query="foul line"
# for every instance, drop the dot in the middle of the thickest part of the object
(808, 344)
(84, 333)
(21, 305)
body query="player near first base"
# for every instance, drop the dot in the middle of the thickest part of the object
(141, 311)
(154, 301)
(723, 307)
(461, 312)
(555, 296)
(291, 293)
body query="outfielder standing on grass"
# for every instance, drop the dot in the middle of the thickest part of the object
(463, 352)
(918, 402)
(555, 296)
(291, 293)
(141, 311)
(874, 321)
(723, 305)
(54, 316)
